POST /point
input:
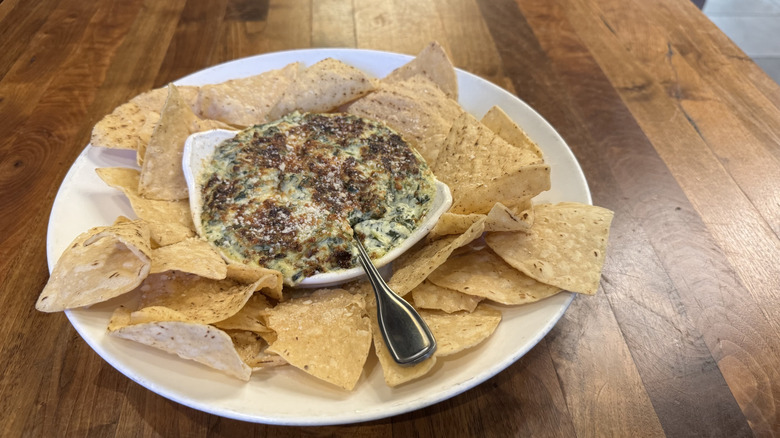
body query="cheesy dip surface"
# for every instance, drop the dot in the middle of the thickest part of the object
(287, 194)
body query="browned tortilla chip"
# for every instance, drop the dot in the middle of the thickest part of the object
(484, 274)
(194, 256)
(394, 373)
(416, 264)
(246, 101)
(499, 122)
(322, 87)
(433, 63)
(200, 299)
(481, 169)
(325, 334)
(130, 125)
(565, 247)
(455, 332)
(169, 221)
(98, 265)
(434, 297)
(414, 107)
(162, 176)
(199, 342)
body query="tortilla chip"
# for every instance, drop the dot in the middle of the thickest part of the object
(481, 169)
(155, 99)
(169, 221)
(394, 373)
(248, 318)
(565, 247)
(431, 296)
(200, 299)
(130, 125)
(499, 122)
(194, 256)
(416, 108)
(268, 281)
(451, 223)
(123, 128)
(455, 332)
(252, 349)
(503, 218)
(322, 87)
(325, 334)
(482, 273)
(167, 233)
(199, 342)
(98, 265)
(499, 218)
(162, 176)
(433, 63)
(246, 101)
(415, 265)
(120, 318)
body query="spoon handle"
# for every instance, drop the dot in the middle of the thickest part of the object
(406, 335)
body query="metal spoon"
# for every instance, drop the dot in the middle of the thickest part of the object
(406, 335)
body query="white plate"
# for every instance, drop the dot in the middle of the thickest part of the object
(286, 395)
(199, 150)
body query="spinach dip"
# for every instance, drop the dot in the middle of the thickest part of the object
(286, 195)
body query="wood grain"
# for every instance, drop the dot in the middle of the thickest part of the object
(675, 128)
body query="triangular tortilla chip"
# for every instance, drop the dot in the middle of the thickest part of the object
(125, 128)
(98, 265)
(434, 297)
(499, 122)
(499, 218)
(322, 87)
(481, 169)
(248, 318)
(130, 125)
(269, 282)
(451, 223)
(155, 99)
(199, 299)
(503, 218)
(162, 176)
(325, 334)
(414, 107)
(253, 350)
(433, 63)
(246, 101)
(565, 247)
(194, 256)
(482, 273)
(455, 332)
(416, 264)
(169, 221)
(199, 342)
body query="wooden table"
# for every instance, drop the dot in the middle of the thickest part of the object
(676, 129)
